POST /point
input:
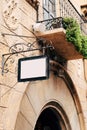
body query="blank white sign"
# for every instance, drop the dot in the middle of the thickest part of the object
(33, 68)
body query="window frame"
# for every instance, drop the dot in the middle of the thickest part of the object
(47, 8)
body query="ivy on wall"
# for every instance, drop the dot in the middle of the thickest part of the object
(75, 36)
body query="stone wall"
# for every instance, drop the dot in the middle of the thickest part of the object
(76, 70)
(22, 103)
(36, 97)
(16, 18)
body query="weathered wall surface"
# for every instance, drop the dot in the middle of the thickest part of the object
(38, 94)
(21, 103)
(16, 18)
(76, 71)
(85, 67)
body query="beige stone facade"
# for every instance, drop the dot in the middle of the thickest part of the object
(22, 103)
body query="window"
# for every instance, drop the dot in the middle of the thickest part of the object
(49, 9)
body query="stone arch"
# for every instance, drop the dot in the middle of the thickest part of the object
(37, 95)
(53, 115)
(60, 90)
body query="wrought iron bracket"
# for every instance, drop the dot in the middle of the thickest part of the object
(4, 60)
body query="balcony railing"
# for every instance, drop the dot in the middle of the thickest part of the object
(52, 23)
(67, 9)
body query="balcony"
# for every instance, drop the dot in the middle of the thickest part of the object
(56, 36)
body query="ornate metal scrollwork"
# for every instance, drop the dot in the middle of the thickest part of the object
(21, 47)
(13, 55)
(15, 50)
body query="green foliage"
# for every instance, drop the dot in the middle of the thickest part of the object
(69, 23)
(74, 35)
(84, 46)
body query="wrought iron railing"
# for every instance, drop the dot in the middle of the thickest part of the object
(67, 9)
(52, 23)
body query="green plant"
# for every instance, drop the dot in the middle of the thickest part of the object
(74, 35)
(84, 46)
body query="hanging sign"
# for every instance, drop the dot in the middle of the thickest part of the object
(33, 68)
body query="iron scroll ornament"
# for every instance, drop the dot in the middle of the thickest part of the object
(14, 52)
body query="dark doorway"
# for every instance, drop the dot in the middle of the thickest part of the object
(49, 120)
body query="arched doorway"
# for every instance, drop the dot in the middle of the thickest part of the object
(52, 118)
(51, 104)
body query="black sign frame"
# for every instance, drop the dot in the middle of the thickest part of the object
(34, 78)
